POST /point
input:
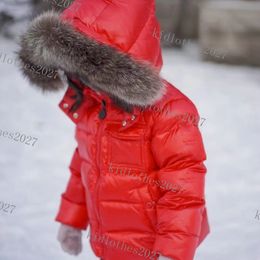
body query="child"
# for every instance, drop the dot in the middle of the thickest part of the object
(129, 126)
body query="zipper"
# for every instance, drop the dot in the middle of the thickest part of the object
(102, 116)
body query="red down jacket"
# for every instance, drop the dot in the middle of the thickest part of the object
(101, 190)
(137, 178)
(127, 206)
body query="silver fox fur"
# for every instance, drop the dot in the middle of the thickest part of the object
(54, 44)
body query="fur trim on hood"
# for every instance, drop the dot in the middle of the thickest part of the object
(51, 44)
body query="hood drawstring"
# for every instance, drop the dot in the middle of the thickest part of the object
(103, 111)
(78, 95)
(79, 98)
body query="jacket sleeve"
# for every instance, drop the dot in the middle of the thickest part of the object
(73, 211)
(179, 153)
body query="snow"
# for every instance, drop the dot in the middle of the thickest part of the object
(33, 177)
(15, 9)
(234, 5)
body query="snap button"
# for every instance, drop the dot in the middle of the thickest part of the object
(65, 105)
(75, 115)
(133, 117)
(150, 204)
(124, 123)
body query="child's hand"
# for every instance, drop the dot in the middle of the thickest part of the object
(70, 239)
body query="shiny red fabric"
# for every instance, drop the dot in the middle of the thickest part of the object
(136, 178)
(128, 26)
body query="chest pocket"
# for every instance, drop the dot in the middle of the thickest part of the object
(126, 148)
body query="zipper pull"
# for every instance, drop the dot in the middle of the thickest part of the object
(103, 111)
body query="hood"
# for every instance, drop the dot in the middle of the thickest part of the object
(108, 44)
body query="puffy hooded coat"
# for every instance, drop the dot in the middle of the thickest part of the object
(137, 175)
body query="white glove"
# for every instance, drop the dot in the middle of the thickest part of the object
(70, 239)
(164, 258)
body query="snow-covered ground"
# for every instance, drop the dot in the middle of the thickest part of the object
(33, 177)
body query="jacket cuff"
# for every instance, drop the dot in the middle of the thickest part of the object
(161, 244)
(72, 214)
(173, 249)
